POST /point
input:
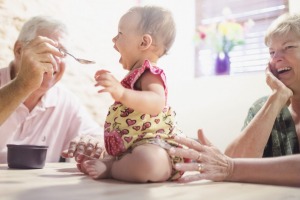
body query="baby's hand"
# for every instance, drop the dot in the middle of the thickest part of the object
(109, 83)
(99, 72)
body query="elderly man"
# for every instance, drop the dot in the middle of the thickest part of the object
(34, 109)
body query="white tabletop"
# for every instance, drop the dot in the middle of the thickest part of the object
(62, 181)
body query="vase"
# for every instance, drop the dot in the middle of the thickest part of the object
(222, 65)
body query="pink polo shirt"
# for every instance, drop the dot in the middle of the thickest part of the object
(56, 120)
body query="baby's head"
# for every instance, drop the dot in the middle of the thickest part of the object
(159, 23)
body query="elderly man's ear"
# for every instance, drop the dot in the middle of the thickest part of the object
(17, 49)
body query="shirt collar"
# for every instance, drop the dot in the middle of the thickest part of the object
(50, 98)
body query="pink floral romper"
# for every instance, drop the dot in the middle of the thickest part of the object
(126, 128)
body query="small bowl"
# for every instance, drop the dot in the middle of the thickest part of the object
(26, 156)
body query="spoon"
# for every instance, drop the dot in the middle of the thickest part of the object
(81, 61)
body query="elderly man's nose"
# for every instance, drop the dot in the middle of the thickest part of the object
(57, 63)
(59, 60)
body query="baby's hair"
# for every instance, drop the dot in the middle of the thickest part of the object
(35, 24)
(282, 25)
(157, 22)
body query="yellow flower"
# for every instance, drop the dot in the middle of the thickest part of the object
(222, 36)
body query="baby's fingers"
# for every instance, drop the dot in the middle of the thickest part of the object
(100, 72)
(190, 178)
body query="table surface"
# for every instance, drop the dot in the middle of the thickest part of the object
(63, 181)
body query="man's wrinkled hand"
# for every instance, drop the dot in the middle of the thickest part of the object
(82, 147)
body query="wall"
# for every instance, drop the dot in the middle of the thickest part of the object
(218, 105)
(294, 6)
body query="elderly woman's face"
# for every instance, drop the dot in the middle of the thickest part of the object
(285, 59)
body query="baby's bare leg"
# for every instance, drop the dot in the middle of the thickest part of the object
(146, 163)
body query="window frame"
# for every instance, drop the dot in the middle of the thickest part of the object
(253, 55)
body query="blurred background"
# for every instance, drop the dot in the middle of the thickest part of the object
(203, 96)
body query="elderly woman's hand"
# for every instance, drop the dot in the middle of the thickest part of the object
(282, 91)
(208, 160)
(84, 148)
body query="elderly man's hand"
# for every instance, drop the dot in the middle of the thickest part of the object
(84, 148)
(37, 61)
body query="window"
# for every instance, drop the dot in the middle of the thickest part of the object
(253, 55)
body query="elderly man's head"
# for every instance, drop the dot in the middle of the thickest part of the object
(42, 26)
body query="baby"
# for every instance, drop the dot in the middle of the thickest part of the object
(140, 125)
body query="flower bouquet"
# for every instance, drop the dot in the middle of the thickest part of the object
(221, 38)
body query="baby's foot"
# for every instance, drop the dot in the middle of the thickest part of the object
(99, 169)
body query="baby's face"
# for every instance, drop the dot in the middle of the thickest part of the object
(128, 40)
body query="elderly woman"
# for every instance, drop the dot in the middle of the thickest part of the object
(275, 129)
(272, 127)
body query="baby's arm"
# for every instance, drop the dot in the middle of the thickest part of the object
(150, 99)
